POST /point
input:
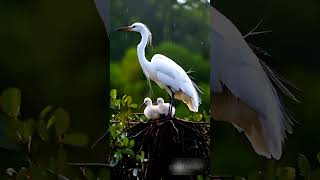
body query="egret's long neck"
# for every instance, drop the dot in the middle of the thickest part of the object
(145, 64)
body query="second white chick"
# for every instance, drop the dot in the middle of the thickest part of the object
(164, 108)
(151, 111)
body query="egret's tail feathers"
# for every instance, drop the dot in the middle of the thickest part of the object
(277, 79)
(189, 101)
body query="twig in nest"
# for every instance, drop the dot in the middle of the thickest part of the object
(88, 164)
(174, 126)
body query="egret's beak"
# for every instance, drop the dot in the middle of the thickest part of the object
(141, 105)
(155, 103)
(125, 29)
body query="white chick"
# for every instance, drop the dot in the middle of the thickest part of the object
(151, 111)
(163, 108)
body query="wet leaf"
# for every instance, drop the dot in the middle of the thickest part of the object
(10, 101)
(75, 139)
(62, 121)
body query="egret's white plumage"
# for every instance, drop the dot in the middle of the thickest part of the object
(151, 111)
(243, 93)
(164, 108)
(165, 72)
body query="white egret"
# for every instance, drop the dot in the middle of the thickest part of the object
(165, 72)
(242, 90)
(151, 111)
(164, 108)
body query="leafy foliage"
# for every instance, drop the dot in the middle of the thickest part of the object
(33, 136)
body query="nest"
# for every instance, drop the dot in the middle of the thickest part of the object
(164, 141)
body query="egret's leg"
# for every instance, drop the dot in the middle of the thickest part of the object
(171, 103)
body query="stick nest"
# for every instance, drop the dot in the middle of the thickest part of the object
(163, 141)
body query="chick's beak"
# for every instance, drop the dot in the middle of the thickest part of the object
(125, 29)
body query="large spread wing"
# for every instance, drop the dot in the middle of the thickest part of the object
(235, 66)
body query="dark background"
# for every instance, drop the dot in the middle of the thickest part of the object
(56, 53)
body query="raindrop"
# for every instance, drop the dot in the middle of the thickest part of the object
(202, 43)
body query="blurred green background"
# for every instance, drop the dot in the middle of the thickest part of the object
(180, 32)
(293, 45)
(56, 52)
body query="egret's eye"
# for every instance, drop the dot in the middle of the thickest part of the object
(133, 26)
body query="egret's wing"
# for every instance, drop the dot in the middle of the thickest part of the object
(235, 66)
(171, 74)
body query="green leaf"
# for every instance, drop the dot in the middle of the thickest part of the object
(128, 151)
(131, 143)
(304, 166)
(113, 93)
(62, 121)
(129, 100)
(103, 174)
(113, 132)
(51, 121)
(125, 141)
(75, 139)
(318, 157)
(10, 101)
(42, 130)
(88, 174)
(45, 111)
(26, 129)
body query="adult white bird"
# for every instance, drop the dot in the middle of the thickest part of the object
(151, 111)
(242, 90)
(164, 71)
(164, 108)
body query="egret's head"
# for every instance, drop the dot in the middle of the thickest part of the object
(160, 101)
(140, 28)
(147, 101)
